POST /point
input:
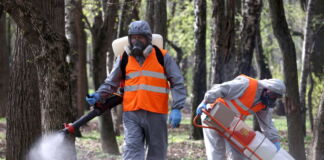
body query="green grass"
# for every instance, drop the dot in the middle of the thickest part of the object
(3, 120)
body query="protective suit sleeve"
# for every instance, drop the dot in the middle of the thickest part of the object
(265, 120)
(176, 80)
(112, 81)
(228, 90)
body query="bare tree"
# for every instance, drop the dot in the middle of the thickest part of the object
(24, 110)
(294, 121)
(307, 51)
(104, 31)
(223, 38)
(4, 65)
(44, 32)
(318, 142)
(129, 12)
(156, 16)
(251, 18)
(78, 42)
(199, 70)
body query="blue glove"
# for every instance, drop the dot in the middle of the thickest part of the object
(200, 107)
(175, 118)
(277, 144)
(93, 98)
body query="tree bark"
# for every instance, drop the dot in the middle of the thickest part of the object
(105, 31)
(24, 110)
(223, 38)
(292, 104)
(262, 66)
(318, 47)
(318, 141)
(251, 18)
(261, 61)
(307, 51)
(199, 70)
(156, 15)
(45, 34)
(310, 99)
(129, 12)
(77, 39)
(4, 65)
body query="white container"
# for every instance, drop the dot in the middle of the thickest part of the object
(282, 155)
(262, 146)
(221, 113)
(119, 44)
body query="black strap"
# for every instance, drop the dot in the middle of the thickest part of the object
(124, 60)
(159, 55)
(123, 64)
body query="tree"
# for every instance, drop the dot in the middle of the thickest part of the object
(223, 40)
(199, 70)
(24, 111)
(44, 32)
(156, 16)
(292, 104)
(77, 39)
(4, 67)
(104, 31)
(309, 31)
(251, 18)
(129, 12)
(318, 142)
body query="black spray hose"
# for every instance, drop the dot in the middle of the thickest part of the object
(99, 108)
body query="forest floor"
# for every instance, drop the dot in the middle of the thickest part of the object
(181, 147)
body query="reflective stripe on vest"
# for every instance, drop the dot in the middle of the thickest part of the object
(146, 86)
(145, 73)
(244, 104)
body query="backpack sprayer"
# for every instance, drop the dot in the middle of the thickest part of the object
(100, 107)
(253, 145)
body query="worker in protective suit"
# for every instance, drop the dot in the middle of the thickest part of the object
(147, 74)
(245, 96)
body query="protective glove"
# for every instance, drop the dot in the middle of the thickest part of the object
(93, 98)
(277, 144)
(175, 118)
(200, 107)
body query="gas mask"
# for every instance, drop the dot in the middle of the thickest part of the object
(269, 98)
(138, 48)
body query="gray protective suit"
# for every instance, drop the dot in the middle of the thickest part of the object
(217, 146)
(146, 130)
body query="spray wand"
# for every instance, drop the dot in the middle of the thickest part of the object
(98, 109)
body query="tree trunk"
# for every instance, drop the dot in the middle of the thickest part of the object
(251, 18)
(45, 34)
(199, 70)
(262, 66)
(105, 31)
(77, 39)
(317, 55)
(149, 14)
(129, 12)
(294, 121)
(307, 51)
(24, 111)
(261, 61)
(223, 38)
(310, 99)
(4, 65)
(318, 141)
(156, 16)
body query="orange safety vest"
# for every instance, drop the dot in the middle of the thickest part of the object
(244, 104)
(146, 87)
